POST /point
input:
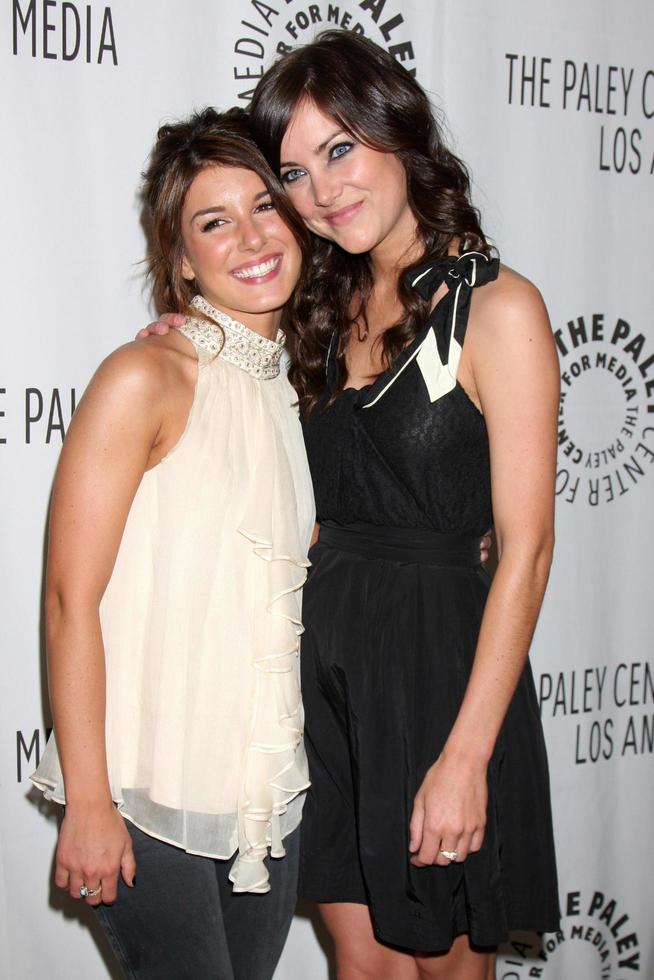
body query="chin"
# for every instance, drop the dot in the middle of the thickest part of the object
(266, 304)
(353, 240)
(357, 244)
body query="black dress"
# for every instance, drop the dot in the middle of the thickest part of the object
(392, 610)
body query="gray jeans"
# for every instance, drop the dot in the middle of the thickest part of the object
(182, 920)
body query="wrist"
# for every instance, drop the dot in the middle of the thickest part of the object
(471, 753)
(83, 798)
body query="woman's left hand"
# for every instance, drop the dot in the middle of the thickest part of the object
(449, 811)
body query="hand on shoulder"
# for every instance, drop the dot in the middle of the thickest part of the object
(160, 327)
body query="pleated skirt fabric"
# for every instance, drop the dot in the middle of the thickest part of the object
(386, 657)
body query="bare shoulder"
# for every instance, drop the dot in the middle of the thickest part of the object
(509, 326)
(510, 341)
(510, 305)
(143, 369)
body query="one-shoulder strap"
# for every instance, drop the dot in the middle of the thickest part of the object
(470, 269)
(440, 354)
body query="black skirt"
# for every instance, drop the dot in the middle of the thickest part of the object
(392, 619)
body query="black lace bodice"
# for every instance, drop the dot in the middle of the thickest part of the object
(410, 449)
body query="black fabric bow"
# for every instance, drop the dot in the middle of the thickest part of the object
(465, 271)
(473, 267)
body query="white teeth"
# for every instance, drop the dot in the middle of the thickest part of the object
(258, 270)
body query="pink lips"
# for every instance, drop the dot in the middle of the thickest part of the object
(338, 218)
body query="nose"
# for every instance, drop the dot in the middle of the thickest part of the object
(326, 188)
(251, 237)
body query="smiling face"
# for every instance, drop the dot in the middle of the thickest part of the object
(345, 191)
(244, 259)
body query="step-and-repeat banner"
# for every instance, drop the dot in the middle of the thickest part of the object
(552, 105)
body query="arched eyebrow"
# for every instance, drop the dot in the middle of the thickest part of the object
(219, 208)
(319, 149)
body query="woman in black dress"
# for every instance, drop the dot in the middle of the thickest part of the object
(427, 834)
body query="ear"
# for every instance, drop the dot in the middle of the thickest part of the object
(187, 270)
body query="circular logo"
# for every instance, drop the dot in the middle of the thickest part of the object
(597, 941)
(267, 30)
(606, 413)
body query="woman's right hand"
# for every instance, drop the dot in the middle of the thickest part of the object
(162, 326)
(94, 846)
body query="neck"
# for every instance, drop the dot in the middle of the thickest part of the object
(400, 248)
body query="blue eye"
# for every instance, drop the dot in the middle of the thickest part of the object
(339, 150)
(292, 175)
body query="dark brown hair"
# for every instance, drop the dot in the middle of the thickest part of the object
(373, 97)
(182, 150)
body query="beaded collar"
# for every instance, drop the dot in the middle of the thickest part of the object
(235, 342)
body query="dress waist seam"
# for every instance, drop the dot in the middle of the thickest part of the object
(405, 545)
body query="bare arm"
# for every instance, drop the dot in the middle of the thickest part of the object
(515, 369)
(106, 452)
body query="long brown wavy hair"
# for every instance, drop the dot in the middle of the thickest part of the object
(207, 138)
(375, 99)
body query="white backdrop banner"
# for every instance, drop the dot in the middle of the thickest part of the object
(552, 105)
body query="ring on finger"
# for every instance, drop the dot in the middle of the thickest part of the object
(450, 855)
(85, 892)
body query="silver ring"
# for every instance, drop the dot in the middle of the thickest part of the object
(85, 892)
(450, 855)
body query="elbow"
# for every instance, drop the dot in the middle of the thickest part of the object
(66, 606)
(54, 610)
(54, 603)
(543, 555)
(544, 550)
(531, 556)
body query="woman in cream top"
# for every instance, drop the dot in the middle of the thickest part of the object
(181, 519)
(201, 618)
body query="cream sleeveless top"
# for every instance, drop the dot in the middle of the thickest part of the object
(201, 618)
